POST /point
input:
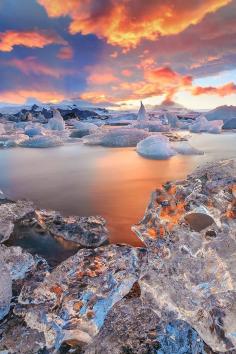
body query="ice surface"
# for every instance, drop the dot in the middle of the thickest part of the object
(33, 130)
(184, 148)
(171, 119)
(56, 122)
(5, 289)
(151, 126)
(203, 125)
(42, 142)
(12, 140)
(155, 147)
(142, 112)
(123, 137)
(82, 128)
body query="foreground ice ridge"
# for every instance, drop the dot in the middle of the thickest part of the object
(177, 295)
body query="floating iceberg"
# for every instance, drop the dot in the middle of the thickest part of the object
(151, 126)
(184, 148)
(7, 141)
(42, 142)
(142, 112)
(33, 131)
(203, 125)
(171, 119)
(82, 129)
(56, 122)
(155, 147)
(123, 137)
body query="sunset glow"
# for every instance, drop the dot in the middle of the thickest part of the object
(115, 54)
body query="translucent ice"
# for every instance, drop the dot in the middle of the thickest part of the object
(56, 122)
(42, 142)
(155, 147)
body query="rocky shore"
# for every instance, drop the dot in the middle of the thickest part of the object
(175, 295)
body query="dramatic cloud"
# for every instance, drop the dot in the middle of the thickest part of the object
(31, 65)
(21, 96)
(124, 23)
(224, 90)
(31, 39)
(102, 78)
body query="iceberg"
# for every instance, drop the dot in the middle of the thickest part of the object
(7, 141)
(203, 125)
(56, 122)
(123, 137)
(155, 147)
(142, 112)
(184, 148)
(33, 131)
(171, 119)
(82, 129)
(151, 126)
(40, 141)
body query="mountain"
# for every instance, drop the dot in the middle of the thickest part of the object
(224, 113)
(169, 105)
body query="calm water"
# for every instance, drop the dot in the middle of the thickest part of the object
(115, 183)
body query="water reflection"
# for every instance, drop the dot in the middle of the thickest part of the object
(114, 183)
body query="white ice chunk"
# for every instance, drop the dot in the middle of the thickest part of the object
(42, 142)
(151, 126)
(155, 147)
(123, 137)
(184, 148)
(82, 128)
(56, 122)
(203, 125)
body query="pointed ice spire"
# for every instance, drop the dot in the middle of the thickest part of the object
(142, 112)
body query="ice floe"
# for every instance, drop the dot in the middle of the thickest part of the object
(203, 125)
(155, 147)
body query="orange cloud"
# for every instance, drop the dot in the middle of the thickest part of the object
(65, 53)
(32, 39)
(31, 65)
(96, 97)
(121, 23)
(102, 78)
(224, 90)
(21, 96)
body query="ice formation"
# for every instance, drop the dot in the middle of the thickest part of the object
(82, 129)
(56, 122)
(42, 142)
(171, 119)
(33, 130)
(12, 140)
(142, 112)
(151, 125)
(123, 137)
(5, 289)
(203, 125)
(184, 148)
(155, 147)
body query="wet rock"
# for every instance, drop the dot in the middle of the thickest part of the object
(71, 304)
(10, 213)
(188, 274)
(88, 231)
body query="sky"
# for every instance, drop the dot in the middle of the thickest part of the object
(116, 53)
